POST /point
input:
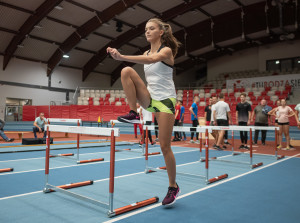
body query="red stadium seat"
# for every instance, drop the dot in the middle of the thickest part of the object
(250, 93)
(267, 89)
(263, 93)
(278, 93)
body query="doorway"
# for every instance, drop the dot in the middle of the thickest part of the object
(14, 108)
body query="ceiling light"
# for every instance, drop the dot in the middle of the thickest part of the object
(131, 9)
(38, 26)
(66, 56)
(277, 62)
(59, 7)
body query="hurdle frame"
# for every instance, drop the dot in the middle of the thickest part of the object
(234, 153)
(112, 123)
(110, 205)
(201, 130)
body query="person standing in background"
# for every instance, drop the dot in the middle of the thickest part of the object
(194, 118)
(176, 123)
(261, 119)
(214, 133)
(243, 113)
(297, 115)
(136, 124)
(207, 112)
(146, 120)
(181, 121)
(156, 132)
(221, 113)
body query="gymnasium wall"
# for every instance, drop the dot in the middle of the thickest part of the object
(253, 58)
(33, 73)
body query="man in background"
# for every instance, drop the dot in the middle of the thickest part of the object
(261, 119)
(194, 117)
(181, 121)
(243, 113)
(177, 119)
(222, 117)
(39, 125)
(2, 134)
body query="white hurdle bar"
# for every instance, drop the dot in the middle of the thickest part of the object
(113, 133)
(66, 120)
(149, 169)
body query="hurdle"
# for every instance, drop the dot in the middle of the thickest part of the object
(70, 155)
(113, 133)
(234, 153)
(113, 123)
(205, 177)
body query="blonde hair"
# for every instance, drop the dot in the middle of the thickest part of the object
(167, 38)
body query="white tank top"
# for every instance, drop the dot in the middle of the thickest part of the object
(159, 77)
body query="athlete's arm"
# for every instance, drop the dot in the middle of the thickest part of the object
(165, 54)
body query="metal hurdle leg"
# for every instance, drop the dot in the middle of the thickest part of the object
(146, 151)
(206, 155)
(200, 134)
(46, 188)
(112, 176)
(78, 124)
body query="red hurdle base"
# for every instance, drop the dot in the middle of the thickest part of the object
(6, 170)
(235, 154)
(66, 154)
(73, 185)
(150, 154)
(280, 157)
(256, 165)
(120, 150)
(136, 205)
(162, 168)
(212, 180)
(91, 160)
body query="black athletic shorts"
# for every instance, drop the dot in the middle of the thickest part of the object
(222, 122)
(276, 121)
(283, 123)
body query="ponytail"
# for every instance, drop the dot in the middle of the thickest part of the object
(167, 38)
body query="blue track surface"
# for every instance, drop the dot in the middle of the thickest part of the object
(267, 195)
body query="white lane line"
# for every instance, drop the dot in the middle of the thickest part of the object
(197, 191)
(78, 165)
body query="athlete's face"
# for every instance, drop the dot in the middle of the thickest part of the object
(214, 100)
(278, 103)
(243, 98)
(153, 32)
(283, 102)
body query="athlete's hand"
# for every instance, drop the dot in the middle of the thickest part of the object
(115, 54)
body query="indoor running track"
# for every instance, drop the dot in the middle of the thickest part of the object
(267, 194)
